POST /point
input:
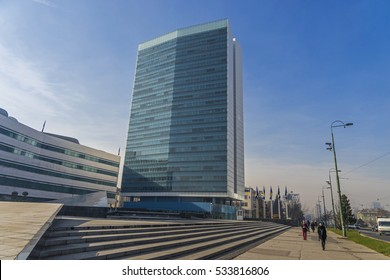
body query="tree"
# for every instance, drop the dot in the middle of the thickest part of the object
(25, 194)
(327, 217)
(14, 195)
(349, 217)
(295, 210)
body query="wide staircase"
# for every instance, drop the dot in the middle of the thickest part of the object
(165, 240)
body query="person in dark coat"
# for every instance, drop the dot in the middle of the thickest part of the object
(304, 230)
(312, 225)
(322, 234)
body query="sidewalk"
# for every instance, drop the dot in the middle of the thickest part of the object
(22, 225)
(290, 246)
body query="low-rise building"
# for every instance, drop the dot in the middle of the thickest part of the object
(38, 166)
(369, 215)
(249, 203)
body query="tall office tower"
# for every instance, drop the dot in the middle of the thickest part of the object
(185, 148)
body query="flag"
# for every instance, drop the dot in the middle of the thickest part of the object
(263, 193)
(285, 192)
(257, 192)
(270, 193)
(278, 196)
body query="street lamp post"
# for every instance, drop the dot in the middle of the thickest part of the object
(332, 147)
(319, 208)
(331, 195)
(323, 200)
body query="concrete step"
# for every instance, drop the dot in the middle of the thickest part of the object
(110, 250)
(94, 231)
(235, 248)
(102, 245)
(209, 249)
(119, 235)
(64, 224)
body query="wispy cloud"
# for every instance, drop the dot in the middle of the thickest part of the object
(30, 92)
(23, 82)
(47, 3)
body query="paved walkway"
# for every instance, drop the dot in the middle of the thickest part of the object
(22, 225)
(290, 246)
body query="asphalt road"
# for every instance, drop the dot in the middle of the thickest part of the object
(375, 235)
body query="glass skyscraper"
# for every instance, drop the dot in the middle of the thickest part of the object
(185, 138)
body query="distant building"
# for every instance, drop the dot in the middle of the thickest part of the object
(185, 146)
(369, 215)
(294, 197)
(43, 167)
(376, 205)
(249, 203)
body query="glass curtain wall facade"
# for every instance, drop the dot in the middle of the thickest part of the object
(185, 137)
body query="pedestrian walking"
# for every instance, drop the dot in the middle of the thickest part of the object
(312, 226)
(322, 234)
(304, 230)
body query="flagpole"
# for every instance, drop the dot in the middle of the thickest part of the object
(257, 204)
(286, 201)
(264, 206)
(278, 198)
(43, 127)
(272, 205)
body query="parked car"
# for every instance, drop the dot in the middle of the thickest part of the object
(353, 227)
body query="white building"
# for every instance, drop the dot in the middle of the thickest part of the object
(249, 204)
(37, 166)
(294, 197)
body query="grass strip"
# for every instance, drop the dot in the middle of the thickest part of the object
(376, 245)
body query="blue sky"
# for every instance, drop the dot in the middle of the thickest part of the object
(305, 65)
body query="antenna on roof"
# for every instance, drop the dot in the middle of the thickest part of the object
(43, 127)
